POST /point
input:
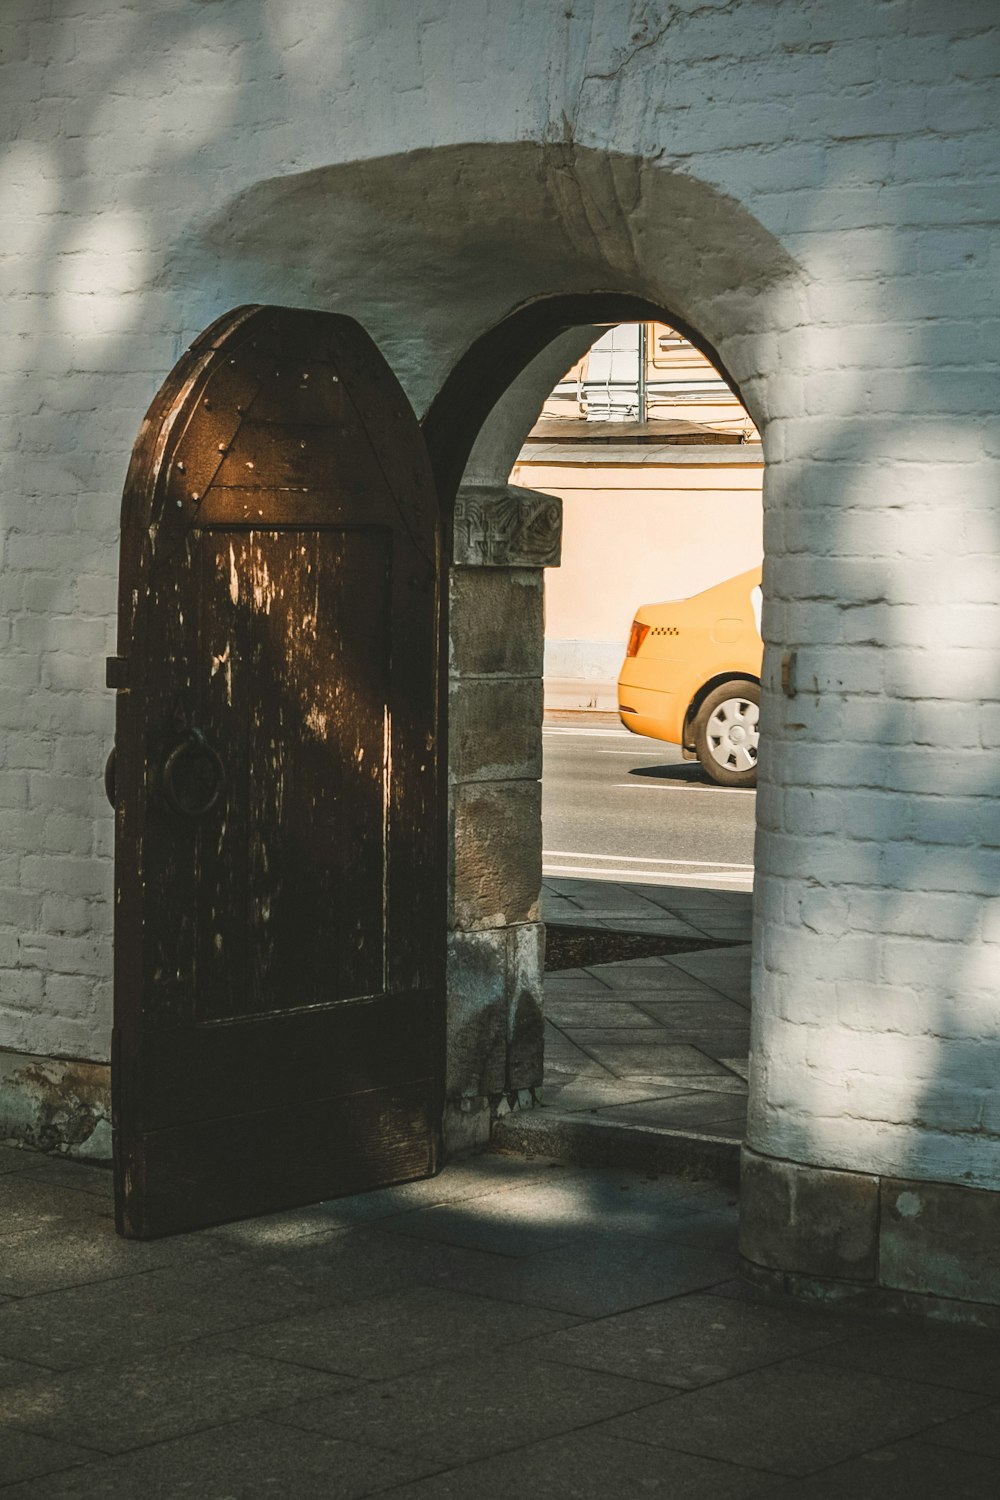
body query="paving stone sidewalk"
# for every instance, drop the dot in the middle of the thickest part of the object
(658, 1043)
(507, 1328)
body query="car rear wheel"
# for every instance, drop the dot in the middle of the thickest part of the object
(726, 734)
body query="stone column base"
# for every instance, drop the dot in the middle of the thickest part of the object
(897, 1242)
(468, 1122)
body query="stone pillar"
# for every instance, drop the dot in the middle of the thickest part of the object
(872, 1164)
(504, 536)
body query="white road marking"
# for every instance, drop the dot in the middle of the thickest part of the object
(642, 859)
(686, 786)
(622, 734)
(652, 877)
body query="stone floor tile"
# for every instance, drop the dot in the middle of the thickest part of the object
(331, 1270)
(979, 1432)
(647, 990)
(562, 1058)
(721, 1082)
(470, 1179)
(17, 1159)
(690, 1341)
(704, 1111)
(115, 1407)
(397, 1333)
(607, 899)
(573, 982)
(713, 1229)
(472, 1408)
(737, 931)
(515, 1223)
(794, 1418)
(724, 969)
(575, 1094)
(620, 1036)
(64, 1254)
(26, 1455)
(601, 1273)
(82, 1177)
(588, 1465)
(650, 973)
(728, 900)
(678, 1110)
(16, 1371)
(649, 923)
(653, 1058)
(28, 1203)
(911, 1470)
(715, 1044)
(651, 1193)
(252, 1460)
(130, 1316)
(105, 1319)
(558, 908)
(967, 1359)
(616, 1013)
(564, 1061)
(711, 960)
(672, 987)
(544, 1214)
(681, 1014)
(611, 1202)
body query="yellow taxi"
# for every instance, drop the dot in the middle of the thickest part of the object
(691, 676)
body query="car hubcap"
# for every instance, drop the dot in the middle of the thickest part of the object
(732, 734)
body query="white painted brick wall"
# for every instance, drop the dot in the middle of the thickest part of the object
(823, 209)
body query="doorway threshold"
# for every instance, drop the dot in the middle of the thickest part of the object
(588, 1140)
(646, 1057)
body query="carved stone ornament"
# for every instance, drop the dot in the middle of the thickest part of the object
(504, 526)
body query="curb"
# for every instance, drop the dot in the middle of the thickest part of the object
(587, 1141)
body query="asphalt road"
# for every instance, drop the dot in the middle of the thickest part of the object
(615, 804)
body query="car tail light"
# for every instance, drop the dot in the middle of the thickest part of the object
(635, 640)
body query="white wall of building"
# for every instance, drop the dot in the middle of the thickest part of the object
(634, 533)
(811, 186)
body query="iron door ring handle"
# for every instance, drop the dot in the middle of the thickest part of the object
(193, 743)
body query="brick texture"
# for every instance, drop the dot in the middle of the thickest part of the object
(812, 187)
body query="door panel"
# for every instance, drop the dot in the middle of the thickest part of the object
(280, 923)
(370, 1136)
(295, 631)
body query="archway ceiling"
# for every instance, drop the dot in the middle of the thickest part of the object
(432, 248)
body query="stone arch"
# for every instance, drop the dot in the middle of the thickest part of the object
(499, 383)
(438, 248)
(466, 263)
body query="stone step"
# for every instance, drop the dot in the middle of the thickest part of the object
(586, 1140)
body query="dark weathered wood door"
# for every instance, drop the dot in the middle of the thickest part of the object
(279, 921)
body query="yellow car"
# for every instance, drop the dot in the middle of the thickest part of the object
(691, 676)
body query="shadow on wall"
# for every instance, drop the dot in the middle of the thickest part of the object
(903, 817)
(882, 549)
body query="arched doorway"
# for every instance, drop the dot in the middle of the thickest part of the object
(232, 457)
(648, 829)
(279, 923)
(510, 323)
(502, 538)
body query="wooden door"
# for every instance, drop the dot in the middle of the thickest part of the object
(279, 938)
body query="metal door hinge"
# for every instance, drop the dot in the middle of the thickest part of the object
(116, 672)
